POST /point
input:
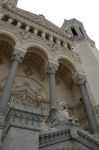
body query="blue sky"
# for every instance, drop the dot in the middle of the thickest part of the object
(87, 11)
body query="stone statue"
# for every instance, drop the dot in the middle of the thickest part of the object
(62, 113)
(61, 116)
(39, 97)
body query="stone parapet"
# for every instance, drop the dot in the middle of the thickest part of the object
(21, 119)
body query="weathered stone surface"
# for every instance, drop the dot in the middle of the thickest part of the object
(28, 122)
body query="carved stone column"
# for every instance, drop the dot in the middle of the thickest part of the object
(16, 60)
(52, 85)
(81, 81)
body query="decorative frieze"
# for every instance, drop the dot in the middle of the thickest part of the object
(24, 119)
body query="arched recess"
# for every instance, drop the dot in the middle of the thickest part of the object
(7, 45)
(43, 47)
(30, 84)
(69, 92)
(35, 58)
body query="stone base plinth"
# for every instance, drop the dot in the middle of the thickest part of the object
(20, 139)
(21, 129)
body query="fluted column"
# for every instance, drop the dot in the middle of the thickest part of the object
(52, 85)
(16, 60)
(81, 81)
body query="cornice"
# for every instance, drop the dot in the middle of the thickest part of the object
(37, 20)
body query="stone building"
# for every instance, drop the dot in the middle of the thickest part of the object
(49, 83)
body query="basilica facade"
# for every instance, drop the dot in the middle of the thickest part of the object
(49, 83)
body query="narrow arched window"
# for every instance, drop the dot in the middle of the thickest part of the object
(39, 33)
(74, 31)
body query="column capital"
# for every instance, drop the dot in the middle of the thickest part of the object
(51, 68)
(18, 55)
(79, 78)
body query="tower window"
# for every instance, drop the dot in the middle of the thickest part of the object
(31, 29)
(23, 26)
(81, 30)
(54, 39)
(15, 22)
(74, 31)
(5, 18)
(47, 36)
(39, 33)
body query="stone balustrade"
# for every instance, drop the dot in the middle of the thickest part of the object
(47, 139)
(36, 31)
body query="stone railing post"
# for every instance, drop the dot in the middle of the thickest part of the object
(51, 69)
(81, 81)
(16, 60)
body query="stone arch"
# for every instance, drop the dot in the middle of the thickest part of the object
(7, 44)
(35, 60)
(42, 46)
(68, 63)
(73, 61)
(11, 35)
(39, 51)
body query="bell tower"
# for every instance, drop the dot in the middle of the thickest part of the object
(9, 3)
(87, 51)
(75, 29)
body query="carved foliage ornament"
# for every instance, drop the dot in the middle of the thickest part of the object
(79, 78)
(51, 68)
(18, 55)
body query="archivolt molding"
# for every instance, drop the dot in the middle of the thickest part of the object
(37, 43)
(8, 30)
(71, 59)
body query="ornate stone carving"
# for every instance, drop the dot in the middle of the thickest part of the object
(60, 117)
(9, 3)
(18, 55)
(28, 70)
(52, 51)
(63, 114)
(79, 78)
(51, 68)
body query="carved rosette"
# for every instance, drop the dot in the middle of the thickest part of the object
(79, 78)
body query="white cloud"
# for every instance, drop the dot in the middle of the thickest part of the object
(57, 10)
